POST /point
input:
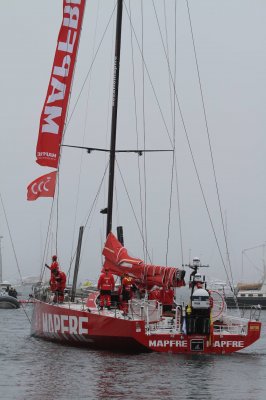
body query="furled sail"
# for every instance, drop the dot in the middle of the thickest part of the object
(55, 107)
(119, 262)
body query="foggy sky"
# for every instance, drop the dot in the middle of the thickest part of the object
(230, 39)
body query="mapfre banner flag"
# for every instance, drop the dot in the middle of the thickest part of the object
(55, 107)
(42, 187)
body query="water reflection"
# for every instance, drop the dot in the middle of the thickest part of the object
(35, 370)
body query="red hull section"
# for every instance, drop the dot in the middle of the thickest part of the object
(107, 330)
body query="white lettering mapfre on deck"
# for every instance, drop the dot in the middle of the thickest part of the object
(54, 323)
(168, 343)
(228, 343)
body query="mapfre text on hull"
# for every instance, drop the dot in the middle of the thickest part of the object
(150, 330)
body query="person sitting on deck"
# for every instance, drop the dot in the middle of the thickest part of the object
(106, 284)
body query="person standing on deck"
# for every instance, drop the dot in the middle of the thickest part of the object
(54, 266)
(60, 279)
(106, 284)
(127, 291)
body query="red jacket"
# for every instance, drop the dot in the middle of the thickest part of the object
(60, 281)
(167, 296)
(155, 294)
(127, 283)
(53, 283)
(54, 266)
(106, 281)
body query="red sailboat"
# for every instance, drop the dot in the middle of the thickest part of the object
(150, 319)
(202, 326)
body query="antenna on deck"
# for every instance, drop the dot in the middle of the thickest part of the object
(196, 264)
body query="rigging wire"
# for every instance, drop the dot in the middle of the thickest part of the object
(144, 132)
(58, 187)
(14, 251)
(252, 263)
(47, 240)
(134, 213)
(157, 100)
(10, 236)
(192, 154)
(172, 101)
(57, 208)
(63, 136)
(145, 69)
(84, 82)
(83, 138)
(136, 126)
(179, 212)
(173, 111)
(149, 77)
(210, 148)
(88, 73)
(94, 203)
(176, 172)
(66, 127)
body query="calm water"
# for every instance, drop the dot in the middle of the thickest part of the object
(32, 369)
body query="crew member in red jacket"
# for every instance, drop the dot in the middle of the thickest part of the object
(127, 291)
(54, 266)
(52, 282)
(60, 279)
(106, 284)
(127, 284)
(155, 294)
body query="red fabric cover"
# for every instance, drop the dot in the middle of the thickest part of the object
(119, 262)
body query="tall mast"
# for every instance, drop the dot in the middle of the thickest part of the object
(114, 116)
